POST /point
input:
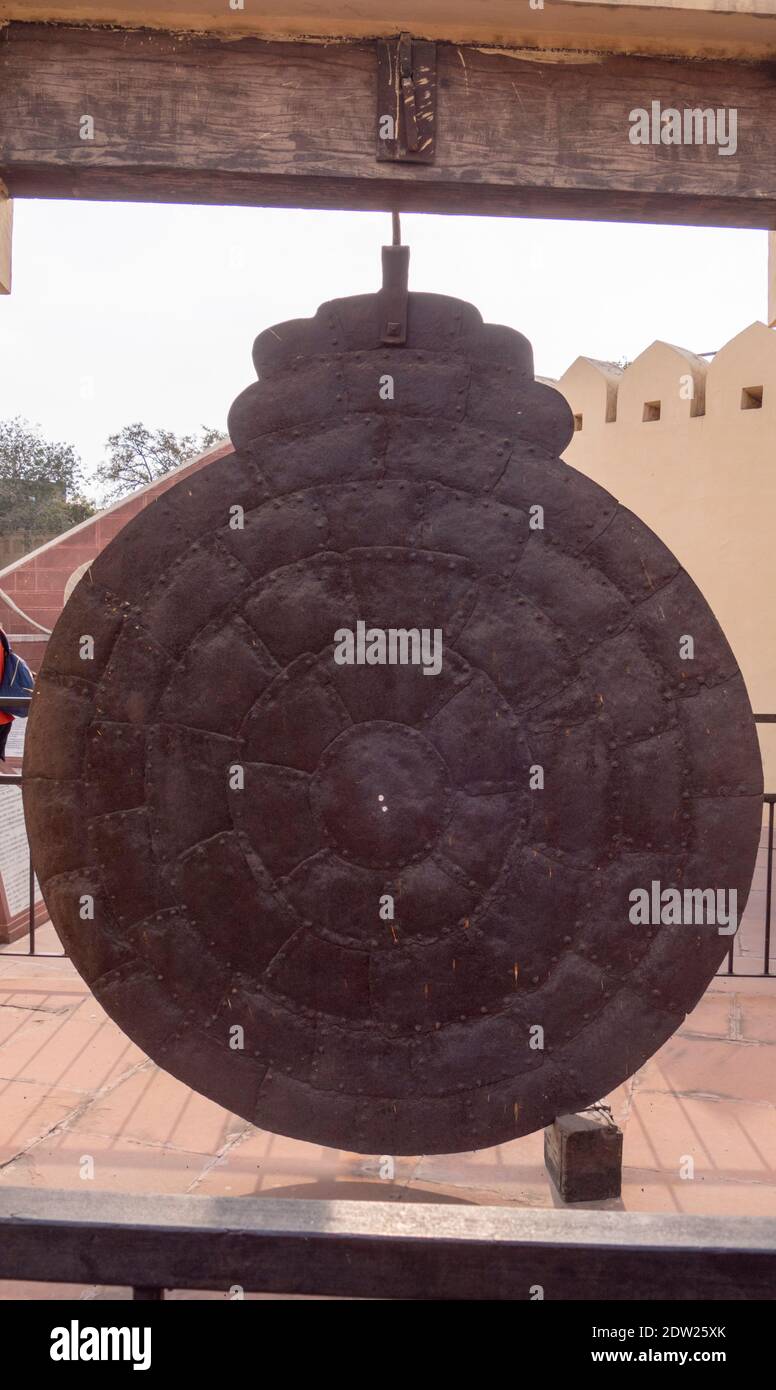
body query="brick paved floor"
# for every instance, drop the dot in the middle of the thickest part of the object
(74, 1089)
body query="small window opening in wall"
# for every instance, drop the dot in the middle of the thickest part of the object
(577, 422)
(651, 410)
(752, 398)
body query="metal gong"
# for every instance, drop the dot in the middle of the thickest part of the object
(354, 898)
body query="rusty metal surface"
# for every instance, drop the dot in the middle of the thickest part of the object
(407, 96)
(258, 907)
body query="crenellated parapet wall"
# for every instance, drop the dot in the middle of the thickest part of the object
(689, 444)
(680, 384)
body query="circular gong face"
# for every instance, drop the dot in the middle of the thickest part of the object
(386, 723)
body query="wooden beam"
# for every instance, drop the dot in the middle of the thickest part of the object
(6, 229)
(696, 28)
(192, 119)
(381, 1249)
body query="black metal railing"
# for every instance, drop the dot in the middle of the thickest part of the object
(15, 780)
(9, 780)
(766, 973)
(728, 968)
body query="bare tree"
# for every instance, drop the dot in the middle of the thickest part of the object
(137, 456)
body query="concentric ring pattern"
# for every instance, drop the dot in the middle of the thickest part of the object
(241, 809)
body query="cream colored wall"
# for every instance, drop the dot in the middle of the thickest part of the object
(703, 477)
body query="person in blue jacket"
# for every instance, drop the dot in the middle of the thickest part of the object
(16, 679)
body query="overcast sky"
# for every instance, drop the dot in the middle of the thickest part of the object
(124, 312)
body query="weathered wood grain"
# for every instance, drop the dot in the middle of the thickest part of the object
(192, 119)
(381, 1249)
(708, 28)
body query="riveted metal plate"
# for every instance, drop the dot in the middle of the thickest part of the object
(406, 100)
(256, 902)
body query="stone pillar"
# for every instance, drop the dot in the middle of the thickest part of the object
(6, 223)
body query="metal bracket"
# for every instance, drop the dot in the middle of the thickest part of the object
(406, 99)
(393, 296)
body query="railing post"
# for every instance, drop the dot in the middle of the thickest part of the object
(32, 906)
(768, 892)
